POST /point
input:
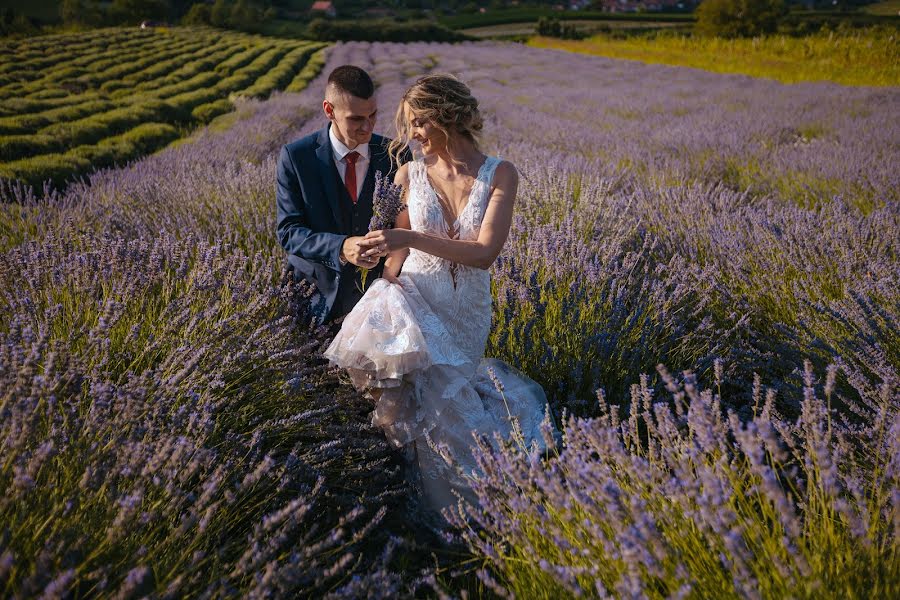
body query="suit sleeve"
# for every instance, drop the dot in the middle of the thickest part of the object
(292, 226)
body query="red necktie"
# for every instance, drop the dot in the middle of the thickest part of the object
(350, 174)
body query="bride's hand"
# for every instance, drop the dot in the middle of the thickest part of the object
(391, 279)
(384, 241)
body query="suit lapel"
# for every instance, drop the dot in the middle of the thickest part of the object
(329, 182)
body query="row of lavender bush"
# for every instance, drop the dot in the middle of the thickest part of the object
(169, 427)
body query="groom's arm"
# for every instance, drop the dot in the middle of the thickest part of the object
(292, 227)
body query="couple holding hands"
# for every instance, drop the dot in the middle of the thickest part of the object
(415, 339)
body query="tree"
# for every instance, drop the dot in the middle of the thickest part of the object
(72, 11)
(138, 10)
(13, 22)
(80, 12)
(738, 18)
(199, 14)
(220, 13)
(245, 15)
(551, 27)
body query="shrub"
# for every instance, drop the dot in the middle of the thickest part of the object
(30, 123)
(199, 14)
(309, 71)
(738, 18)
(188, 101)
(97, 127)
(675, 499)
(281, 75)
(387, 31)
(241, 59)
(551, 27)
(209, 111)
(35, 171)
(192, 440)
(143, 139)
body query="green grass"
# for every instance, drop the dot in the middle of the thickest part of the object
(526, 15)
(869, 57)
(584, 26)
(888, 8)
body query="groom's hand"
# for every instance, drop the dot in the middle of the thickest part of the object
(352, 252)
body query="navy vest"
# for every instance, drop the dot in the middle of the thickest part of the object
(358, 216)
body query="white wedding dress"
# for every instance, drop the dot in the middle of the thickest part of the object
(423, 344)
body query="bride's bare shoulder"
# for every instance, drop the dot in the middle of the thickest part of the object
(506, 176)
(401, 177)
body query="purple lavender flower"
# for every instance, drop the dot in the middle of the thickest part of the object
(387, 203)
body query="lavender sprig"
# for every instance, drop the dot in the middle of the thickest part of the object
(387, 203)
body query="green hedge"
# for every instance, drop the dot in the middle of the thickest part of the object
(209, 111)
(167, 64)
(15, 147)
(35, 171)
(143, 139)
(309, 71)
(201, 81)
(25, 106)
(61, 167)
(282, 74)
(239, 60)
(30, 123)
(145, 97)
(48, 93)
(198, 64)
(188, 101)
(92, 129)
(381, 30)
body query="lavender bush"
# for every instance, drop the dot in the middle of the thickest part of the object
(170, 430)
(679, 500)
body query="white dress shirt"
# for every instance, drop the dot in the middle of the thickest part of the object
(339, 151)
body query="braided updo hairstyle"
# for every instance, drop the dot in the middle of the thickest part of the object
(446, 102)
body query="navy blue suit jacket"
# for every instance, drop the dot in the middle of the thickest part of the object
(311, 223)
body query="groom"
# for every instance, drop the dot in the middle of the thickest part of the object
(323, 194)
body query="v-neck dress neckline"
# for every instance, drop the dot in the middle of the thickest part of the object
(435, 197)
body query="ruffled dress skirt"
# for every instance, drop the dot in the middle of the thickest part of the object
(436, 394)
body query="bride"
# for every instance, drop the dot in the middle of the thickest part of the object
(416, 339)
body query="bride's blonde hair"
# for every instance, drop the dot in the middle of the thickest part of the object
(443, 100)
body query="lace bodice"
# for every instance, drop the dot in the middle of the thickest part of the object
(425, 212)
(461, 294)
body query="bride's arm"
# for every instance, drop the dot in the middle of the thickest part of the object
(396, 258)
(480, 253)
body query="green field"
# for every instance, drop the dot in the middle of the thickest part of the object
(72, 103)
(531, 15)
(584, 26)
(889, 8)
(866, 57)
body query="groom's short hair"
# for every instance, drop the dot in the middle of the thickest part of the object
(352, 80)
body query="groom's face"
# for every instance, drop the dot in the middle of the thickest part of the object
(352, 118)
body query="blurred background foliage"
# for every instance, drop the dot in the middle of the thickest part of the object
(433, 20)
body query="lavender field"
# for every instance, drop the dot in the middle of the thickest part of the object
(703, 274)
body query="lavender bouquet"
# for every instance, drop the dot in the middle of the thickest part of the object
(387, 203)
